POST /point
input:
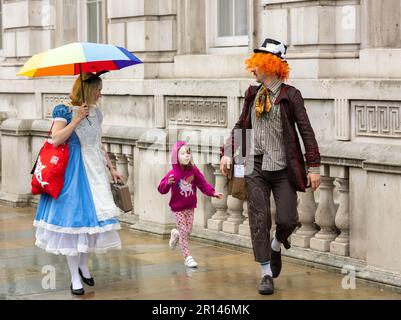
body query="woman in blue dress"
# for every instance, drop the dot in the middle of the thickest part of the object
(83, 218)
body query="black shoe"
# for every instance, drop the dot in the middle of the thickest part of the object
(77, 292)
(88, 281)
(275, 263)
(267, 285)
(286, 244)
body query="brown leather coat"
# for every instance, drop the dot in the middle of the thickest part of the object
(293, 112)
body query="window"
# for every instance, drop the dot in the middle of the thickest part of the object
(228, 25)
(95, 20)
(232, 18)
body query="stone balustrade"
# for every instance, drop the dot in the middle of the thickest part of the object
(343, 222)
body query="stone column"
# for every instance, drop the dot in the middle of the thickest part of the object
(306, 209)
(235, 217)
(16, 162)
(28, 28)
(341, 245)
(191, 27)
(216, 221)
(325, 213)
(243, 228)
(148, 28)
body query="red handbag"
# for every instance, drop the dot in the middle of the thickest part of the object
(49, 169)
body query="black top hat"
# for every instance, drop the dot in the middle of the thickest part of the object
(272, 46)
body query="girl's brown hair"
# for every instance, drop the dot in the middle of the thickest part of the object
(90, 89)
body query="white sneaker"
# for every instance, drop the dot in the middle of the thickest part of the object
(190, 262)
(174, 236)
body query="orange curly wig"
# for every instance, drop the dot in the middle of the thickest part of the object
(269, 64)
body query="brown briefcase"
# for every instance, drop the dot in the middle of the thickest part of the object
(236, 184)
(122, 196)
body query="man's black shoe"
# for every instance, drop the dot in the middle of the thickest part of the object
(88, 281)
(275, 263)
(266, 286)
(286, 244)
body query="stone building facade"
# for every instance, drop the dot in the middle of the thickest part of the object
(344, 56)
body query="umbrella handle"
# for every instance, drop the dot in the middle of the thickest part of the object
(82, 89)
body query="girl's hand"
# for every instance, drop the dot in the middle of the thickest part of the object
(116, 176)
(82, 113)
(218, 195)
(171, 180)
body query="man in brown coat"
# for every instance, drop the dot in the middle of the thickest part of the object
(272, 155)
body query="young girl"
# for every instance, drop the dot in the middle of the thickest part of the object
(183, 180)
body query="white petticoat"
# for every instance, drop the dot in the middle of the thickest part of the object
(73, 244)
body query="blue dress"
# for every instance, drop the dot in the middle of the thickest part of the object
(83, 217)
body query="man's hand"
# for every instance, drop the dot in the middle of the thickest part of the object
(314, 180)
(225, 164)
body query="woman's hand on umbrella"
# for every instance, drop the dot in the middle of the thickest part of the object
(116, 176)
(83, 112)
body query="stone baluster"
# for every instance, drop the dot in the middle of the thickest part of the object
(325, 213)
(341, 244)
(306, 210)
(108, 148)
(216, 221)
(128, 152)
(121, 163)
(243, 228)
(235, 217)
(128, 166)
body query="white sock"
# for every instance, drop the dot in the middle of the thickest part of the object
(265, 267)
(83, 265)
(276, 245)
(73, 262)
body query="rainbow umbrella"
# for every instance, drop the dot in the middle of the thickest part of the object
(76, 58)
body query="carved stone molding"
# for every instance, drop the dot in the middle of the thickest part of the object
(197, 111)
(377, 119)
(50, 101)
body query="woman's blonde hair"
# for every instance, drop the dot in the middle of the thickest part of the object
(91, 88)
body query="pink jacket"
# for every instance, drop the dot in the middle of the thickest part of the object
(183, 191)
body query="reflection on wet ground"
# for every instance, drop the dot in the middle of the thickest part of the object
(147, 269)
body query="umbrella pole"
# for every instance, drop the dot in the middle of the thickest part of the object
(82, 84)
(82, 89)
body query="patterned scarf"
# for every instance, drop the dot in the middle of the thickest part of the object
(263, 102)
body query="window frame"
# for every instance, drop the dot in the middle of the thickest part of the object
(215, 42)
(83, 21)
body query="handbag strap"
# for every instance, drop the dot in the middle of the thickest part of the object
(36, 161)
(50, 131)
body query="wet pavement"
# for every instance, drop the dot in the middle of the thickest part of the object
(146, 269)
